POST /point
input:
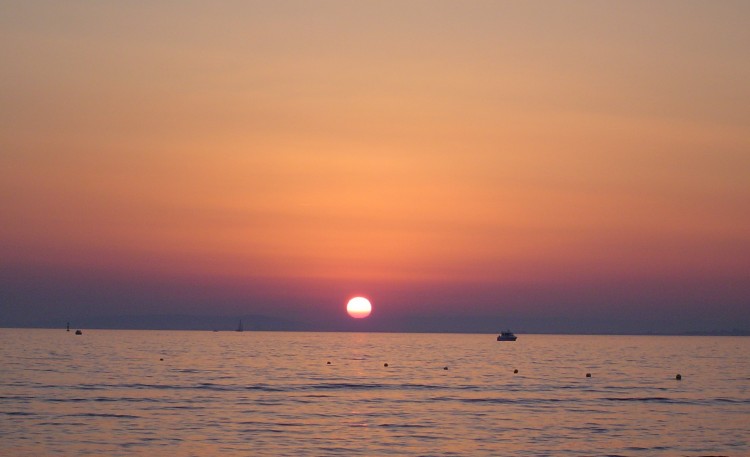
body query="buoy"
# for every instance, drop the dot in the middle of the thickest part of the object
(445, 368)
(78, 332)
(515, 371)
(588, 375)
(161, 360)
(385, 364)
(328, 363)
(678, 377)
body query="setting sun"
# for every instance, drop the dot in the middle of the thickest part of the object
(359, 307)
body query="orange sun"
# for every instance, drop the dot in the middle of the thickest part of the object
(359, 307)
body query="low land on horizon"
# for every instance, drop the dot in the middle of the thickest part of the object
(422, 325)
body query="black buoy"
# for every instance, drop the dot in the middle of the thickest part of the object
(445, 368)
(385, 364)
(588, 375)
(515, 371)
(161, 359)
(328, 363)
(678, 377)
(78, 332)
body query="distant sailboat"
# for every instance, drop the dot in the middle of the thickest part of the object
(239, 327)
(67, 327)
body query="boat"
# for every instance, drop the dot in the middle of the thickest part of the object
(507, 336)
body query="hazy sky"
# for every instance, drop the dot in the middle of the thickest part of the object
(551, 165)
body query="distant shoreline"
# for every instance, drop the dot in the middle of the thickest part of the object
(716, 333)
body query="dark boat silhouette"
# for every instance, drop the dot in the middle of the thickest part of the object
(507, 336)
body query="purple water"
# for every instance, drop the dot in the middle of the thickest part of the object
(108, 392)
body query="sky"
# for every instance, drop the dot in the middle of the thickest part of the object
(550, 166)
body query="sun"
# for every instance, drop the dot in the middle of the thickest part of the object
(359, 307)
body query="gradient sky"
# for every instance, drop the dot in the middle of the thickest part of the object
(553, 166)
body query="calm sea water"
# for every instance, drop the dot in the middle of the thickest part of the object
(270, 393)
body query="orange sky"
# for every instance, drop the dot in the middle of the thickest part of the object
(437, 155)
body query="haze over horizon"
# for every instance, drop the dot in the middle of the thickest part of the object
(551, 166)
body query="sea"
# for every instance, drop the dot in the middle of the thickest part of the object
(199, 393)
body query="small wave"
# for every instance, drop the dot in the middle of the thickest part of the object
(732, 401)
(184, 408)
(487, 400)
(61, 424)
(91, 387)
(117, 416)
(505, 401)
(18, 397)
(678, 401)
(103, 400)
(404, 426)
(67, 400)
(367, 386)
(664, 400)
(343, 385)
(127, 399)
(265, 388)
(212, 386)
